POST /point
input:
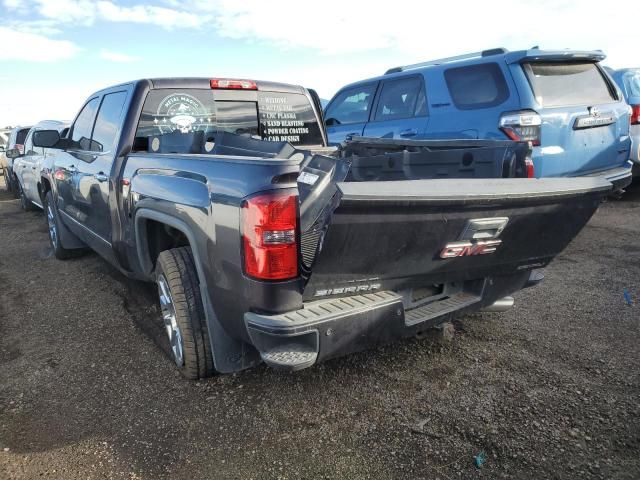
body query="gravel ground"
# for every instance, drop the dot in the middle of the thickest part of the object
(550, 389)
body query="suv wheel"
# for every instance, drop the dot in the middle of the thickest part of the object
(183, 313)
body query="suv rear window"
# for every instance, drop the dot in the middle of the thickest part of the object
(188, 120)
(561, 84)
(477, 86)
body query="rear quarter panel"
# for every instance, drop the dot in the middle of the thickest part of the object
(449, 121)
(205, 195)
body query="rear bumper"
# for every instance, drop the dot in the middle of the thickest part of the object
(334, 327)
(619, 177)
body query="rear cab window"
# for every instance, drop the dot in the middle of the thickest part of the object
(189, 120)
(557, 84)
(477, 86)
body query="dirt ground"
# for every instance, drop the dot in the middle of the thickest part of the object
(550, 389)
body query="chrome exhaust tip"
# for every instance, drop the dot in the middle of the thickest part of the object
(501, 305)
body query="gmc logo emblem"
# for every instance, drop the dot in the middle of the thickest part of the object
(468, 249)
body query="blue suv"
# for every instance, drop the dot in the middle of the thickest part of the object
(628, 79)
(561, 101)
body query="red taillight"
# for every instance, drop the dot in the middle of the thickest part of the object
(522, 126)
(232, 84)
(59, 175)
(528, 163)
(635, 114)
(269, 239)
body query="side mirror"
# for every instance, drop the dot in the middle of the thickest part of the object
(330, 122)
(46, 138)
(13, 153)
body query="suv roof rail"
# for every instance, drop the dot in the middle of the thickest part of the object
(440, 61)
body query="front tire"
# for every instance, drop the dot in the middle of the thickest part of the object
(53, 222)
(7, 181)
(25, 203)
(183, 313)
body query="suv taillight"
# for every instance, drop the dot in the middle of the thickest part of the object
(635, 114)
(522, 126)
(269, 238)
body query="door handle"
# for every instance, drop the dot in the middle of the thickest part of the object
(410, 132)
(101, 177)
(33, 168)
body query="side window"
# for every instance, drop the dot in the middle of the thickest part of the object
(107, 122)
(401, 98)
(477, 86)
(351, 106)
(81, 130)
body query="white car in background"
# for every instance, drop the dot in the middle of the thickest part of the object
(15, 142)
(29, 166)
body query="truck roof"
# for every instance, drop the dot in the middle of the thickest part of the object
(202, 82)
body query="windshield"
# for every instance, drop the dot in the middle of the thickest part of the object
(189, 120)
(21, 136)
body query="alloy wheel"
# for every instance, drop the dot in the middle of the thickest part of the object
(170, 322)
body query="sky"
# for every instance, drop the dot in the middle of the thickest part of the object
(55, 53)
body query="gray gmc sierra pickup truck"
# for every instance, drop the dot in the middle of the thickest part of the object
(268, 246)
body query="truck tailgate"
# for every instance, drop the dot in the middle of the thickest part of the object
(416, 233)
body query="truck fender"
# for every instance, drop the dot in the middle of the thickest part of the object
(229, 355)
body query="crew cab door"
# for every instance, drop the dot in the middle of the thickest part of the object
(91, 194)
(400, 110)
(349, 111)
(83, 172)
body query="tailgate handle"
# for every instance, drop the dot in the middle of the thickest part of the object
(484, 228)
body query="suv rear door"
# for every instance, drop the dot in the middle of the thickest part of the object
(400, 110)
(585, 126)
(349, 111)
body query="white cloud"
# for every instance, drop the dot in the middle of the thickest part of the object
(34, 47)
(161, 16)
(117, 57)
(422, 29)
(87, 12)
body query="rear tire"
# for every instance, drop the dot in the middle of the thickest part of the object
(183, 313)
(53, 222)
